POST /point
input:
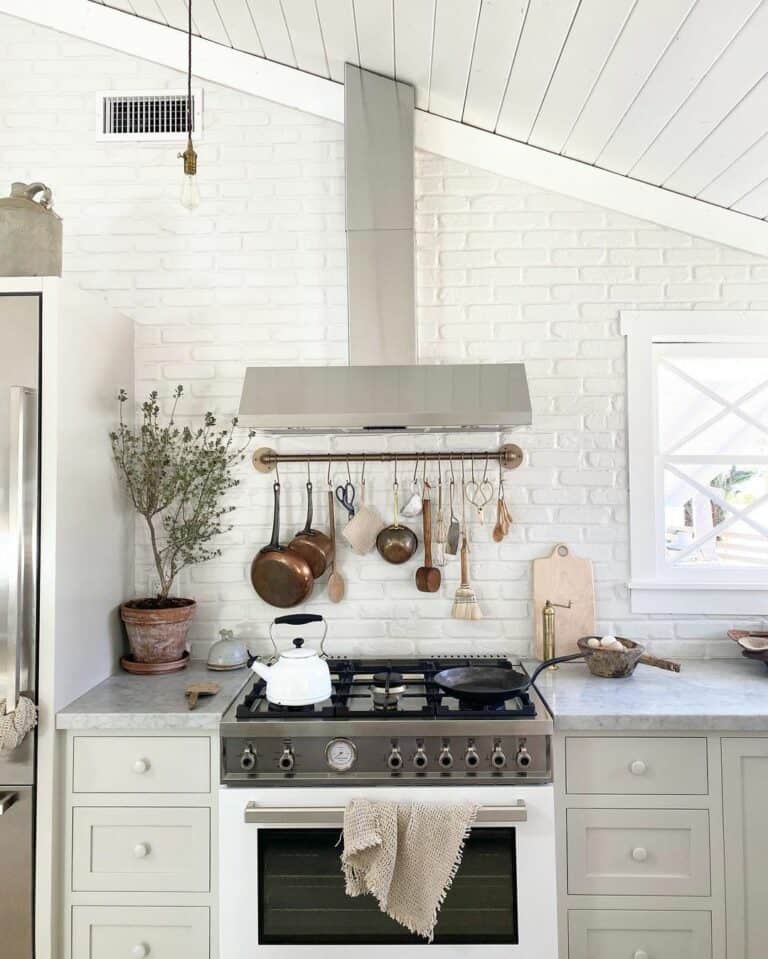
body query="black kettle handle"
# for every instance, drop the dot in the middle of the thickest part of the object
(298, 619)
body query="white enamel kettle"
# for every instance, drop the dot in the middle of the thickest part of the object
(300, 677)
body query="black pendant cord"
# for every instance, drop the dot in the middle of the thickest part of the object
(189, 70)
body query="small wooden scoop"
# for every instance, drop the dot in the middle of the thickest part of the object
(195, 690)
(428, 577)
(336, 584)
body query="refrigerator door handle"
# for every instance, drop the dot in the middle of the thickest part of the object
(19, 413)
(6, 801)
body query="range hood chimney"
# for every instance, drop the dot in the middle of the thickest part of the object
(383, 389)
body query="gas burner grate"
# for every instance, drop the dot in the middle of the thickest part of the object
(352, 697)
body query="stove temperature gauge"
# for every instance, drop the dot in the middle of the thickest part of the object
(340, 754)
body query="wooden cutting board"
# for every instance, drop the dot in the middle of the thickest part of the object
(559, 578)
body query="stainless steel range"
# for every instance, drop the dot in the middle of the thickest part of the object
(388, 722)
(389, 731)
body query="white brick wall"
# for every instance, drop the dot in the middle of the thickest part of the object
(256, 275)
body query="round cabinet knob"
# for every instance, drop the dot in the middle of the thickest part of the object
(141, 766)
(639, 854)
(140, 951)
(141, 850)
(640, 954)
(638, 768)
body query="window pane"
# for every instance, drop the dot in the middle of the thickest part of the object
(682, 408)
(703, 531)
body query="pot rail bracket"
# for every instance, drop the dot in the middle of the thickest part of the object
(509, 457)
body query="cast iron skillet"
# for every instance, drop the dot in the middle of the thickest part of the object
(489, 685)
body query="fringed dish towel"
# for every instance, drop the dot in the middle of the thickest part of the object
(15, 725)
(406, 855)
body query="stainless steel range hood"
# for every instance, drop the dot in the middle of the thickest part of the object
(383, 388)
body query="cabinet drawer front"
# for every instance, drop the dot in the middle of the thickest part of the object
(639, 766)
(142, 764)
(140, 850)
(638, 852)
(130, 932)
(600, 934)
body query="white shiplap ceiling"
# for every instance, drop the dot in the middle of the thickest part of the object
(673, 93)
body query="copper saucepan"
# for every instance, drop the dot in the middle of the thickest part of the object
(310, 543)
(279, 575)
(396, 543)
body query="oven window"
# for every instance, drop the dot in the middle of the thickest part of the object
(302, 899)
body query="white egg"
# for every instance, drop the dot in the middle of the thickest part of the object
(593, 642)
(608, 641)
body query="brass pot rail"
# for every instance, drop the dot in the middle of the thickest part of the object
(509, 456)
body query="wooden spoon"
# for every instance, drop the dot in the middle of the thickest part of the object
(428, 577)
(336, 583)
(499, 532)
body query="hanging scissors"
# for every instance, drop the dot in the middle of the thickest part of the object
(345, 494)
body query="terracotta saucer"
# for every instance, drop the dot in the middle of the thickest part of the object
(130, 665)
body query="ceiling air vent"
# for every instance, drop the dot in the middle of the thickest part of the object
(148, 115)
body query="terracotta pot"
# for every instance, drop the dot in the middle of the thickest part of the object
(157, 635)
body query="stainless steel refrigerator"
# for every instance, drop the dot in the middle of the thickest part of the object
(20, 325)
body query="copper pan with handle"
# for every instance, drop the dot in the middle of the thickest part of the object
(280, 575)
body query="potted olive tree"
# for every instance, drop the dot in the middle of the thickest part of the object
(176, 478)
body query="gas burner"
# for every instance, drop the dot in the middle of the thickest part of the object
(387, 688)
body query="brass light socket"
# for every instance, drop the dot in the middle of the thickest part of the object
(190, 159)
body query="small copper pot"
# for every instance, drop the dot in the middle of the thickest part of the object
(396, 543)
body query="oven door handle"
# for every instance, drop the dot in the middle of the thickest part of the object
(319, 816)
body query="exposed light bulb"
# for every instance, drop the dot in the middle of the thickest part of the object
(190, 192)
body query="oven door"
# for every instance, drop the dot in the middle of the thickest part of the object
(282, 890)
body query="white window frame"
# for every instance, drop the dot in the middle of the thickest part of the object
(653, 588)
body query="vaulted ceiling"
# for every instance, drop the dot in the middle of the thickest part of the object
(672, 93)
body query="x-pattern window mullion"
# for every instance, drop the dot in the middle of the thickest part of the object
(728, 407)
(742, 514)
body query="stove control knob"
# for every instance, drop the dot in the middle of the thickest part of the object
(471, 758)
(420, 759)
(498, 757)
(395, 759)
(248, 759)
(287, 760)
(523, 759)
(445, 759)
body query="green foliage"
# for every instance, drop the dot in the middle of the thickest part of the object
(176, 479)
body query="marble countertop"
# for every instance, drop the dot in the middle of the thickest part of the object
(125, 701)
(712, 695)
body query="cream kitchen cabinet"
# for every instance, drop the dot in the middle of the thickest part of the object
(640, 850)
(745, 799)
(140, 822)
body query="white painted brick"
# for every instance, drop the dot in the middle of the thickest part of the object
(256, 275)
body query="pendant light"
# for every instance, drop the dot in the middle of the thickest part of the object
(190, 192)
